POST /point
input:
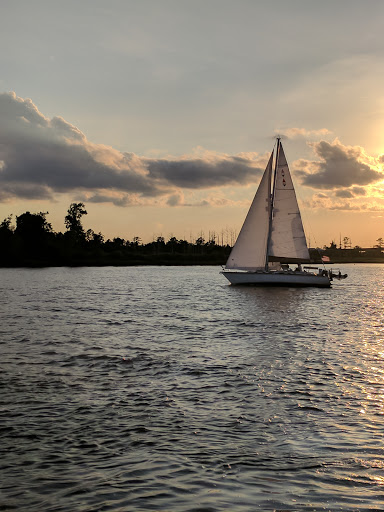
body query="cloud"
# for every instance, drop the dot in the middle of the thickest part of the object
(359, 191)
(200, 173)
(116, 198)
(344, 193)
(340, 167)
(175, 199)
(351, 192)
(344, 202)
(346, 207)
(42, 157)
(323, 202)
(292, 133)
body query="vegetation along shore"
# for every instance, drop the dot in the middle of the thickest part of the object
(33, 243)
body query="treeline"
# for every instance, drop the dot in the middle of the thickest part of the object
(355, 254)
(32, 242)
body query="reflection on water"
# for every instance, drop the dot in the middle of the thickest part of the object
(167, 389)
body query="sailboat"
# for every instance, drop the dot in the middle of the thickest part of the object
(272, 236)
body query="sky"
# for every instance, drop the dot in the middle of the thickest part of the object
(160, 115)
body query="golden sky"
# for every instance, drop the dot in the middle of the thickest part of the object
(160, 115)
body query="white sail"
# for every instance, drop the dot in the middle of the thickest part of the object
(287, 235)
(250, 249)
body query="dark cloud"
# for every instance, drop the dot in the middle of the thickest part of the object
(64, 167)
(24, 191)
(117, 200)
(175, 200)
(199, 173)
(344, 193)
(41, 157)
(351, 192)
(341, 167)
(345, 207)
(359, 191)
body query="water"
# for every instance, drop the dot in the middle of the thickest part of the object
(137, 389)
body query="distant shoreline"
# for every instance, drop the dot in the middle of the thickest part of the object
(32, 243)
(36, 264)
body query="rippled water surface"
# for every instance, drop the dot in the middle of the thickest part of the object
(137, 389)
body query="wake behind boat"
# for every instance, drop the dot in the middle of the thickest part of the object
(272, 236)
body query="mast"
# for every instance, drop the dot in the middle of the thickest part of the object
(271, 200)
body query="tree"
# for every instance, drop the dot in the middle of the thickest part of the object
(380, 243)
(119, 242)
(32, 226)
(73, 220)
(172, 244)
(6, 223)
(89, 235)
(332, 245)
(98, 239)
(200, 241)
(32, 235)
(6, 231)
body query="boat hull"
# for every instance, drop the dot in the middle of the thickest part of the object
(277, 279)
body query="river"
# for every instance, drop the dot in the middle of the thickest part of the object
(164, 388)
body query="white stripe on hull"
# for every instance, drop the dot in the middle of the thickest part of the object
(277, 278)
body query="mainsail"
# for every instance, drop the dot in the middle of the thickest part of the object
(250, 249)
(272, 228)
(287, 234)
